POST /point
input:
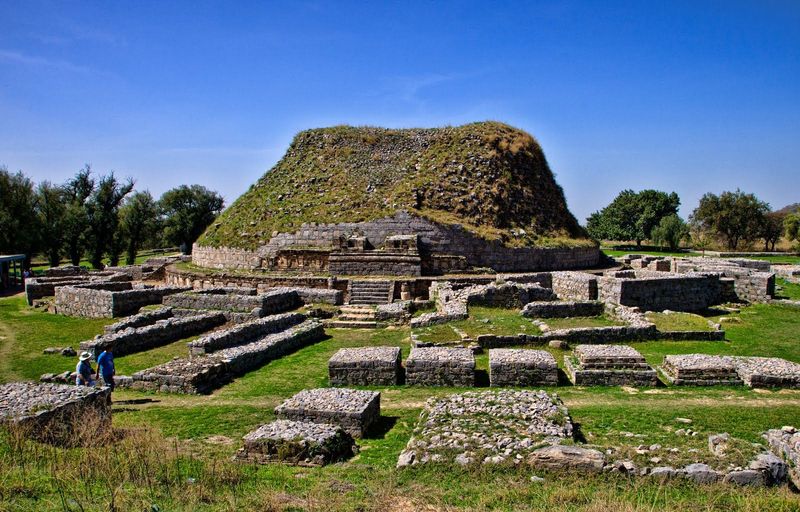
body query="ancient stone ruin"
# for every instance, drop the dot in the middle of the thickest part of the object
(522, 368)
(608, 365)
(440, 366)
(297, 442)
(353, 410)
(366, 366)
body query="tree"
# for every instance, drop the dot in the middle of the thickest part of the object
(632, 215)
(187, 211)
(51, 207)
(138, 219)
(671, 231)
(102, 211)
(772, 230)
(76, 220)
(791, 226)
(18, 221)
(735, 217)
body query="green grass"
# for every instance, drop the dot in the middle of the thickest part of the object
(787, 290)
(795, 260)
(188, 464)
(482, 320)
(40, 265)
(581, 321)
(679, 322)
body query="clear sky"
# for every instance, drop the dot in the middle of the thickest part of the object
(694, 96)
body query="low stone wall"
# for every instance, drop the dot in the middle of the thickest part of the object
(66, 271)
(440, 366)
(225, 257)
(449, 304)
(575, 285)
(108, 300)
(609, 365)
(353, 410)
(753, 280)
(244, 333)
(160, 333)
(785, 443)
(274, 301)
(366, 366)
(660, 291)
(139, 320)
(374, 263)
(203, 374)
(506, 295)
(297, 442)
(54, 413)
(767, 372)
(40, 287)
(700, 370)
(786, 271)
(562, 309)
(522, 367)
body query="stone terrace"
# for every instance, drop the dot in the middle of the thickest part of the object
(239, 303)
(563, 309)
(354, 410)
(297, 442)
(244, 333)
(203, 374)
(366, 366)
(767, 372)
(522, 367)
(496, 426)
(609, 365)
(700, 370)
(440, 366)
(140, 320)
(50, 412)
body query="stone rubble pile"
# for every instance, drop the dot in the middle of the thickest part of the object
(609, 365)
(522, 367)
(353, 410)
(785, 443)
(366, 366)
(297, 442)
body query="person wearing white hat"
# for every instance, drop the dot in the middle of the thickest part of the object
(84, 370)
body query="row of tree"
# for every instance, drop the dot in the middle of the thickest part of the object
(99, 217)
(732, 219)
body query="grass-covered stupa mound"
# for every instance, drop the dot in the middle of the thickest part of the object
(488, 177)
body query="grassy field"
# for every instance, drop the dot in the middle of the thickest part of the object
(581, 321)
(175, 450)
(794, 260)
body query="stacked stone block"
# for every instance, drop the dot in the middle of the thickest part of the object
(562, 309)
(700, 370)
(271, 302)
(575, 285)
(767, 372)
(366, 366)
(108, 299)
(297, 442)
(244, 333)
(440, 366)
(139, 320)
(353, 410)
(522, 367)
(657, 291)
(609, 365)
(55, 413)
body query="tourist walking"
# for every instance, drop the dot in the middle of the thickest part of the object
(84, 370)
(105, 367)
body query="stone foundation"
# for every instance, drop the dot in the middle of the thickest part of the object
(521, 367)
(108, 299)
(767, 372)
(563, 309)
(440, 366)
(700, 370)
(366, 366)
(244, 333)
(65, 415)
(657, 291)
(609, 365)
(139, 320)
(271, 302)
(353, 410)
(296, 442)
(575, 286)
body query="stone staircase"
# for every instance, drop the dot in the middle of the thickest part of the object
(355, 317)
(369, 292)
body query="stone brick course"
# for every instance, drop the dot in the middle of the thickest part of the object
(244, 333)
(352, 409)
(440, 366)
(522, 367)
(609, 365)
(366, 366)
(700, 370)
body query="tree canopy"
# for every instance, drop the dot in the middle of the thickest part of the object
(187, 211)
(632, 215)
(735, 217)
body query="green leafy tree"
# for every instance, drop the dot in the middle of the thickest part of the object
(102, 211)
(19, 233)
(632, 215)
(791, 226)
(76, 219)
(672, 230)
(735, 217)
(51, 206)
(186, 212)
(139, 220)
(772, 230)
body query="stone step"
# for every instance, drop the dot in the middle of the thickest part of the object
(352, 324)
(356, 318)
(370, 302)
(380, 296)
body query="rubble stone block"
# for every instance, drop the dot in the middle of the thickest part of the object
(365, 366)
(352, 409)
(609, 365)
(297, 442)
(440, 366)
(700, 370)
(522, 367)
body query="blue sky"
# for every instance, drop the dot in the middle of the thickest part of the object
(693, 96)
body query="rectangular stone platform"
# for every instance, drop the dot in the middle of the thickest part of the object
(608, 365)
(203, 374)
(218, 299)
(66, 415)
(244, 333)
(297, 442)
(767, 372)
(440, 366)
(109, 299)
(365, 366)
(522, 367)
(563, 309)
(700, 370)
(352, 409)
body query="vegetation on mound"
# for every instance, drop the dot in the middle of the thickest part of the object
(679, 321)
(488, 177)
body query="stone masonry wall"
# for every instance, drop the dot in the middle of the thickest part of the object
(574, 285)
(244, 333)
(690, 292)
(89, 302)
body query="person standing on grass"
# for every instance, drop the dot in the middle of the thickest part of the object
(105, 366)
(84, 370)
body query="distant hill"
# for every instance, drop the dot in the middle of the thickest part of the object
(488, 177)
(792, 208)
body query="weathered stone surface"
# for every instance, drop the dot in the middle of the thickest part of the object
(354, 410)
(785, 444)
(657, 291)
(55, 413)
(609, 365)
(108, 299)
(522, 367)
(498, 426)
(296, 442)
(365, 366)
(766, 372)
(271, 302)
(562, 309)
(575, 286)
(774, 469)
(140, 320)
(701, 473)
(746, 477)
(440, 366)
(567, 457)
(244, 333)
(700, 370)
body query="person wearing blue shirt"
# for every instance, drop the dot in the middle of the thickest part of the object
(83, 370)
(105, 367)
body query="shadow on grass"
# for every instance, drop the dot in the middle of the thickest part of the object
(380, 428)
(481, 378)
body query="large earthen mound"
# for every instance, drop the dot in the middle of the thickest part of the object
(488, 177)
